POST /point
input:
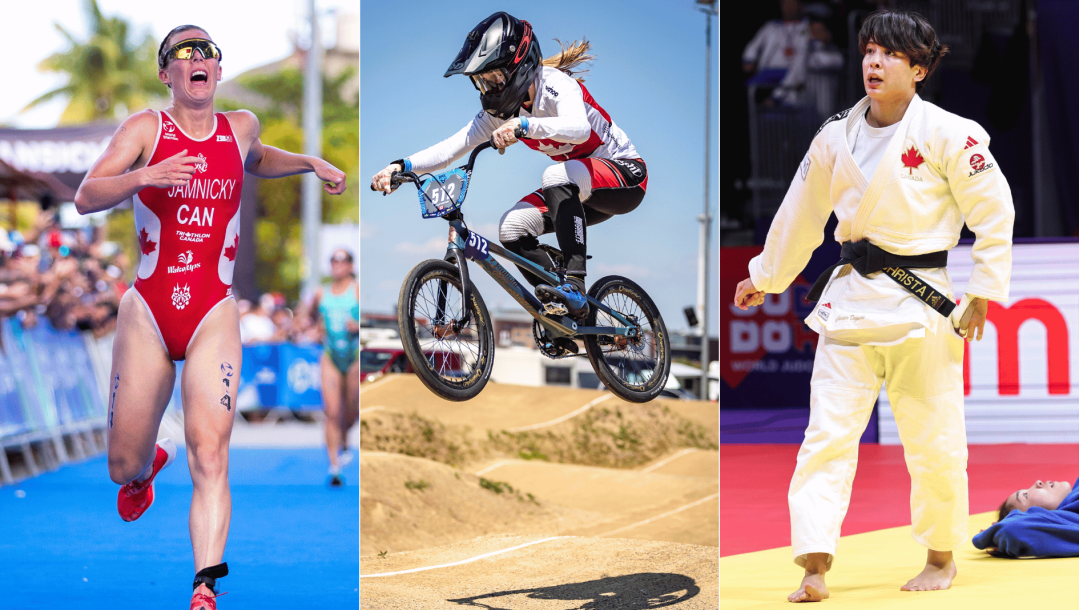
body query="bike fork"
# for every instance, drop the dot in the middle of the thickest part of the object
(454, 254)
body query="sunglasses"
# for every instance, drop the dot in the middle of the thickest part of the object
(340, 259)
(185, 49)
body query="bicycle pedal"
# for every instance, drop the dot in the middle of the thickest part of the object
(554, 308)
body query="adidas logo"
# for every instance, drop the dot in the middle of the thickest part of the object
(970, 142)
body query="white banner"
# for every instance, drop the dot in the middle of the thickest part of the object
(1021, 380)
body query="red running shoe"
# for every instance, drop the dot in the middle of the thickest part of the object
(135, 497)
(204, 601)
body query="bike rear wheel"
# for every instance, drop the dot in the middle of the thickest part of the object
(633, 368)
(454, 363)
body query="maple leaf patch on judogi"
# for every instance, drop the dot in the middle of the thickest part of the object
(911, 159)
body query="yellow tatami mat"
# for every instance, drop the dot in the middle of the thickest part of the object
(869, 569)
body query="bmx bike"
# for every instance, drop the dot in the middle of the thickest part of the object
(447, 333)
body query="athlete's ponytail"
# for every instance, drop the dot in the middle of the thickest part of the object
(570, 57)
(939, 50)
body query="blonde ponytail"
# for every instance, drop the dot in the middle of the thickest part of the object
(570, 57)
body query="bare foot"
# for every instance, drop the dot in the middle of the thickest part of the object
(813, 589)
(937, 575)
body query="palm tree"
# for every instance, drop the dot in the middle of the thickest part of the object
(109, 75)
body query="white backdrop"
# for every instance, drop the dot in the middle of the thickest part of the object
(1022, 378)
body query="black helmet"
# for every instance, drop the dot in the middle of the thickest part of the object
(505, 47)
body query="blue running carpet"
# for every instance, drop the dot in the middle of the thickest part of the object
(293, 542)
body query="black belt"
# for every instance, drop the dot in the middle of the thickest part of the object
(867, 258)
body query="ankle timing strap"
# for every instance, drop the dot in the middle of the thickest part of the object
(208, 576)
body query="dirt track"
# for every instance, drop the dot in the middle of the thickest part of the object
(561, 573)
(604, 537)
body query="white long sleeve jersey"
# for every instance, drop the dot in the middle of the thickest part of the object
(564, 123)
(936, 173)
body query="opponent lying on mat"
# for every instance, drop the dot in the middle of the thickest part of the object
(1042, 521)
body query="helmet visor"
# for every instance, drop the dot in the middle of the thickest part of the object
(490, 81)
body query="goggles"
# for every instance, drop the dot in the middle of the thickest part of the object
(490, 81)
(185, 49)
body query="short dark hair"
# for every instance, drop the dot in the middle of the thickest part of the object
(164, 41)
(906, 32)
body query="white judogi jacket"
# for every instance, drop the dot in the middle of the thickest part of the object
(937, 172)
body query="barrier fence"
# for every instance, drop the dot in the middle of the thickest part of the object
(54, 392)
(52, 409)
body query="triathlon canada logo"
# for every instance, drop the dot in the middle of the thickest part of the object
(181, 296)
(195, 237)
(201, 166)
(185, 265)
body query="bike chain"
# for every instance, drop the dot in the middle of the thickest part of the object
(536, 332)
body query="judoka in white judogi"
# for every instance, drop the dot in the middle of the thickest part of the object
(907, 188)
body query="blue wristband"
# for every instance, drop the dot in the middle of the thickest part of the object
(524, 125)
(408, 165)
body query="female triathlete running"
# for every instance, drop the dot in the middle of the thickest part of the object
(184, 169)
(599, 173)
(337, 304)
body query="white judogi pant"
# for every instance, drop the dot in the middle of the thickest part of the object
(924, 380)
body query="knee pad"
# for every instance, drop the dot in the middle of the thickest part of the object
(555, 175)
(578, 174)
(520, 220)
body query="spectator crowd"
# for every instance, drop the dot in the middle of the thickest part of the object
(72, 278)
(270, 320)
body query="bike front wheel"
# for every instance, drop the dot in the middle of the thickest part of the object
(633, 368)
(453, 361)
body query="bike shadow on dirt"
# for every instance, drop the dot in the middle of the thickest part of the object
(630, 592)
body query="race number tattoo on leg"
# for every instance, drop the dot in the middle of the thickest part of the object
(112, 399)
(226, 374)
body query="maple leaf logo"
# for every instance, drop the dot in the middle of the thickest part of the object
(230, 252)
(552, 148)
(145, 243)
(911, 159)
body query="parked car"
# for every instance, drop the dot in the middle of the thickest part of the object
(377, 361)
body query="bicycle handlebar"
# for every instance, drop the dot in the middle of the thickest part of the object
(399, 178)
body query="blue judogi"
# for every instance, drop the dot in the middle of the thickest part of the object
(1037, 532)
